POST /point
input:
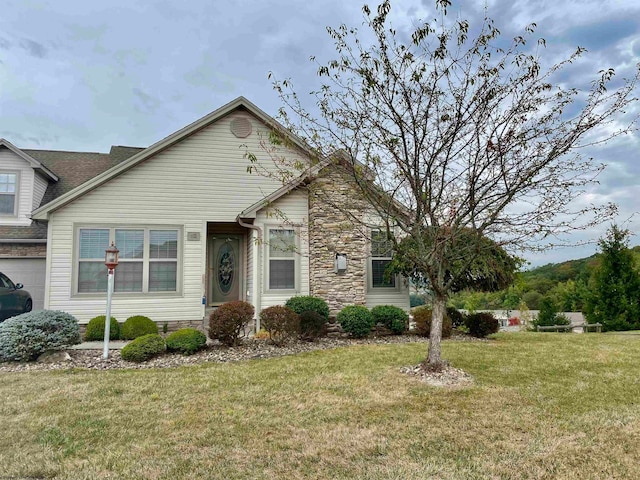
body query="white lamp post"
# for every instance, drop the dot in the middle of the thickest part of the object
(111, 261)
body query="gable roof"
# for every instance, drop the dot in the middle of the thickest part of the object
(75, 168)
(42, 212)
(29, 159)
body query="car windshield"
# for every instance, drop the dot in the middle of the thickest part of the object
(5, 282)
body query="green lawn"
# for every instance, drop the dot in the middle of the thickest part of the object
(543, 406)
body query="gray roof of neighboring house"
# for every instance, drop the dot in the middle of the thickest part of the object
(72, 169)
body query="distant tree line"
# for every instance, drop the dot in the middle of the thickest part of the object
(605, 286)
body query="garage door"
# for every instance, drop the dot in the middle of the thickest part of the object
(30, 272)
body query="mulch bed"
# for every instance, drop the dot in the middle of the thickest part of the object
(250, 349)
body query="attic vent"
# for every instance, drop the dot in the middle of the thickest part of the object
(241, 127)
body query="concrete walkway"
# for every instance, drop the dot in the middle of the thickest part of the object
(113, 345)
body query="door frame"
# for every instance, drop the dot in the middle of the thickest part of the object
(242, 270)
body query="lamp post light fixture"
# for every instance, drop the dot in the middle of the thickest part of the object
(111, 261)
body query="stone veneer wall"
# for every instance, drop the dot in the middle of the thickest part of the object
(333, 204)
(23, 249)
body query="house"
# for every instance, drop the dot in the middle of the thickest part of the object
(195, 223)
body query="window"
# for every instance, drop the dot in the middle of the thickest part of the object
(282, 259)
(8, 184)
(148, 260)
(163, 260)
(381, 253)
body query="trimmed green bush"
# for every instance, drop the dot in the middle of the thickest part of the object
(137, 326)
(392, 317)
(356, 320)
(482, 324)
(422, 318)
(282, 323)
(143, 348)
(95, 329)
(306, 303)
(312, 325)
(228, 322)
(457, 317)
(186, 341)
(26, 336)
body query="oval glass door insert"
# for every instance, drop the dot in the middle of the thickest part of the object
(226, 268)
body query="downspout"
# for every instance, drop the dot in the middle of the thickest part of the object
(257, 271)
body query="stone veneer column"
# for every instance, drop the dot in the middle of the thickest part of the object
(335, 226)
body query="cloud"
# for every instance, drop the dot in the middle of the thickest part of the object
(33, 48)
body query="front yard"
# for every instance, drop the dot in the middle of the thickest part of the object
(542, 406)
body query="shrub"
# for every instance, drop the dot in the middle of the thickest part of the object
(548, 315)
(422, 318)
(312, 325)
(356, 320)
(456, 316)
(95, 329)
(26, 336)
(229, 321)
(305, 303)
(282, 323)
(143, 348)
(137, 326)
(186, 341)
(513, 321)
(482, 324)
(392, 317)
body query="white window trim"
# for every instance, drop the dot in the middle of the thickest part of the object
(295, 258)
(370, 258)
(16, 194)
(146, 260)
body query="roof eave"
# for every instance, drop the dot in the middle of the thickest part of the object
(42, 213)
(35, 164)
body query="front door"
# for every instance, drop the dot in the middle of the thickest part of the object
(225, 267)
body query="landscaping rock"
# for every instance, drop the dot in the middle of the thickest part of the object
(215, 352)
(54, 356)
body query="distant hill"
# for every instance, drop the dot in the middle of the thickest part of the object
(579, 269)
(565, 282)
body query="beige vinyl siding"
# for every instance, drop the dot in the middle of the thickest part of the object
(290, 211)
(201, 179)
(40, 185)
(12, 163)
(399, 297)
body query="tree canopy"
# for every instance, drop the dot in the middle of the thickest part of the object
(465, 132)
(614, 298)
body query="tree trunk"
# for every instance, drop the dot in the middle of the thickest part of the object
(434, 357)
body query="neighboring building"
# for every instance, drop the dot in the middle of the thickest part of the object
(195, 229)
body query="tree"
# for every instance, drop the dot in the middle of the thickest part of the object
(614, 296)
(490, 270)
(549, 315)
(444, 133)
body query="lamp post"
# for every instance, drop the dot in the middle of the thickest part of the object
(111, 261)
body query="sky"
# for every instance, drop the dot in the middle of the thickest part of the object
(82, 75)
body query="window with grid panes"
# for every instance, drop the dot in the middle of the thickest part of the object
(282, 259)
(8, 185)
(381, 255)
(148, 259)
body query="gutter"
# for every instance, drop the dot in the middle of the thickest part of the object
(257, 271)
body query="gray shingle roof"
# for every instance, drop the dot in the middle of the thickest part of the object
(75, 168)
(37, 230)
(72, 169)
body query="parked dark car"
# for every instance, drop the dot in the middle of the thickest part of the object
(13, 300)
